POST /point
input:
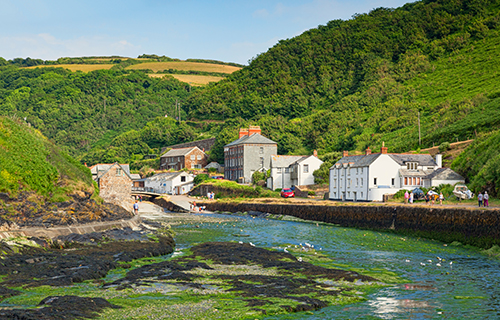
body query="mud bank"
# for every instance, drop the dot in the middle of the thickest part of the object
(475, 227)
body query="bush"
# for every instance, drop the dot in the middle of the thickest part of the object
(200, 178)
(401, 194)
(444, 146)
(258, 176)
(311, 193)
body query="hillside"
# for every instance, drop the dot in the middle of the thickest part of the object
(352, 84)
(42, 185)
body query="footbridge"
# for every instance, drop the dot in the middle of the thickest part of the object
(145, 193)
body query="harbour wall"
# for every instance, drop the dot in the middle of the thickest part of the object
(468, 226)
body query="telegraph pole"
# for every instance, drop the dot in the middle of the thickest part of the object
(419, 139)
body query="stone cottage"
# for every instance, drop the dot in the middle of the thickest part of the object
(115, 185)
(178, 159)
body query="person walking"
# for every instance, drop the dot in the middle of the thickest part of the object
(136, 207)
(441, 198)
(486, 197)
(480, 199)
(406, 197)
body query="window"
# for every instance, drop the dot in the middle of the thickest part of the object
(118, 171)
(418, 181)
(261, 150)
(306, 168)
(349, 171)
(192, 157)
(334, 172)
(361, 181)
(198, 157)
(392, 181)
(357, 182)
(261, 161)
(183, 179)
(375, 181)
(357, 170)
(287, 170)
(278, 170)
(348, 183)
(349, 194)
(361, 194)
(291, 169)
(406, 181)
(334, 183)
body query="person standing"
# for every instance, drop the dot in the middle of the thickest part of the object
(411, 197)
(136, 208)
(441, 198)
(480, 199)
(406, 197)
(486, 197)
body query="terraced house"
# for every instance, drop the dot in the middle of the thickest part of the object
(251, 152)
(368, 177)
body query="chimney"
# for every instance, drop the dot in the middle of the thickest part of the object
(368, 151)
(383, 150)
(439, 160)
(254, 129)
(315, 153)
(243, 132)
(346, 153)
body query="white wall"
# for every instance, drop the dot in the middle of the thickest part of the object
(304, 178)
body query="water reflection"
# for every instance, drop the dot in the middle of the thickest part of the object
(470, 288)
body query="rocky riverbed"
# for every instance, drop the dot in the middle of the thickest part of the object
(124, 273)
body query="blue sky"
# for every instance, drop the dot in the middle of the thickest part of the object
(232, 31)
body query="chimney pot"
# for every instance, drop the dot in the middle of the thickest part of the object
(243, 132)
(368, 151)
(315, 153)
(253, 130)
(346, 153)
(383, 150)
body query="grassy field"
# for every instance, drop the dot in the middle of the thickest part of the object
(78, 67)
(192, 79)
(184, 66)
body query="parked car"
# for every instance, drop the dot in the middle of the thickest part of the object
(287, 193)
(218, 177)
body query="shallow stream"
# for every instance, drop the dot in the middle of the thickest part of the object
(468, 288)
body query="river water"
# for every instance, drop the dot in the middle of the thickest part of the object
(432, 288)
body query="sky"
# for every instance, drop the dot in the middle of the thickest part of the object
(230, 31)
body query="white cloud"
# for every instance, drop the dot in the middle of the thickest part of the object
(46, 46)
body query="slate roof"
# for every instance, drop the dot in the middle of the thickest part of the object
(252, 139)
(125, 169)
(415, 173)
(278, 161)
(135, 176)
(422, 159)
(213, 164)
(165, 176)
(305, 158)
(445, 174)
(100, 167)
(358, 161)
(179, 152)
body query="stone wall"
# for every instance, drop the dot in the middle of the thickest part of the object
(116, 189)
(188, 163)
(476, 227)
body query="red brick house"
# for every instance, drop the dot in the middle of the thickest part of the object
(178, 159)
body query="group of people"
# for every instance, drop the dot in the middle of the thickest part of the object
(483, 199)
(195, 208)
(429, 197)
(210, 195)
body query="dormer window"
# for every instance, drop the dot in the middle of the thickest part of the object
(412, 165)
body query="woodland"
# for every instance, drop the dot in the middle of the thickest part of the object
(346, 85)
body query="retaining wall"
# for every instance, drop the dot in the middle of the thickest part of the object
(65, 230)
(477, 227)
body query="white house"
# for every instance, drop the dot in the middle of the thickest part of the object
(368, 177)
(170, 183)
(287, 171)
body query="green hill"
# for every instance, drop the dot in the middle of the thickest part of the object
(40, 184)
(352, 84)
(30, 162)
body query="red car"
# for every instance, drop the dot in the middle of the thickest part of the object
(287, 193)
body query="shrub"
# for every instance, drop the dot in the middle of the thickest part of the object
(444, 146)
(311, 193)
(200, 178)
(258, 176)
